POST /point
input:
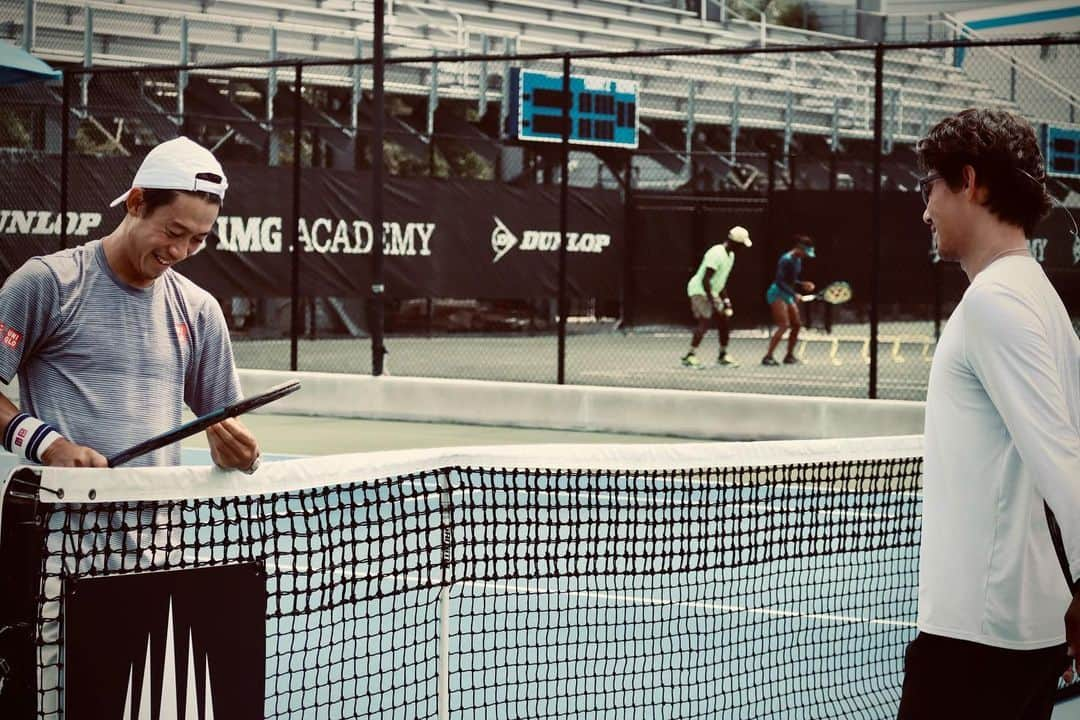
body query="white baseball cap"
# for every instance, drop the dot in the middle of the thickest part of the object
(740, 235)
(179, 164)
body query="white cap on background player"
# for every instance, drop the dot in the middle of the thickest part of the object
(740, 235)
(179, 164)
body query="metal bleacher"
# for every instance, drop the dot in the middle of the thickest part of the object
(824, 94)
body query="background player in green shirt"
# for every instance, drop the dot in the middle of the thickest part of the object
(708, 297)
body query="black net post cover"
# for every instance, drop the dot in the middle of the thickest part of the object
(21, 536)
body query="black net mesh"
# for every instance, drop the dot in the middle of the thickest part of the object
(352, 575)
(766, 590)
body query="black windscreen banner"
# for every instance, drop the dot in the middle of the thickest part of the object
(441, 238)
(453, 238)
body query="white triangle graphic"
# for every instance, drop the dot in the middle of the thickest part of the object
(144, 696)
(191, 712)
(168, 708)
(170, 693)
(209, 693)
(127, 698)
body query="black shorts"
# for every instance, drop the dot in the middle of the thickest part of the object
(949, 678)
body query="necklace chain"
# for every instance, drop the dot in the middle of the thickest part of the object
(1013, 251)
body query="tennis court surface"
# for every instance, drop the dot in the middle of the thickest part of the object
(832, 364)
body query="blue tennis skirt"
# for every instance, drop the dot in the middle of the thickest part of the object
(774, 293)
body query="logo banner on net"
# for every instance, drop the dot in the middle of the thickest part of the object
(168, 644)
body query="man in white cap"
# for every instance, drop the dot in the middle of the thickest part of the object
(708, 295)
(109, 342)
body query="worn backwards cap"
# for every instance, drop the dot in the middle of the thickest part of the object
(179, 164)
(740, 235)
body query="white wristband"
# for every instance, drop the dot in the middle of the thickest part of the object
(29, 437)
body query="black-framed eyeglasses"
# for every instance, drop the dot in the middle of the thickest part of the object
(925, 184)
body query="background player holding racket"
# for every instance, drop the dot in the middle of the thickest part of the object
(782, 298)
(709, 298)
(109, 342)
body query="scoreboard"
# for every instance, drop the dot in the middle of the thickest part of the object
(1061, 150)
(603, 111)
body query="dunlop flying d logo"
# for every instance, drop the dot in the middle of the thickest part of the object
(503, 240)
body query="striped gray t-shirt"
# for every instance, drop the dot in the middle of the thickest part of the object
(110, 365)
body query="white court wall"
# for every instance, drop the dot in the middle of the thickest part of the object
(678, 413)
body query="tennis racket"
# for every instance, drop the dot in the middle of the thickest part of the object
(835, 293)
(1059, 547)
(204, 421)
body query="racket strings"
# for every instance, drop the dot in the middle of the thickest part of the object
(837, 293)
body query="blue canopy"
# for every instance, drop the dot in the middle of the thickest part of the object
(18, 66)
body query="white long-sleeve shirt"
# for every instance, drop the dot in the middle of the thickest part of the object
(1002, 435)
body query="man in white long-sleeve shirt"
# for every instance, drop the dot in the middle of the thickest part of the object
(1002, 437)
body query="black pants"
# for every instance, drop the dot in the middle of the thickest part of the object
(947, 678)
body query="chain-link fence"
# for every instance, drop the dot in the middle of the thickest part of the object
(470, 279)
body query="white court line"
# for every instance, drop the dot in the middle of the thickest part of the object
(772, 381)
(422, 582)
(626, 599)
(697, 604)
(735, 375)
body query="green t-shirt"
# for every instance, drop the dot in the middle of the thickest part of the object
(721, 261)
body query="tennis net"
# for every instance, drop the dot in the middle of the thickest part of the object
(733, 580)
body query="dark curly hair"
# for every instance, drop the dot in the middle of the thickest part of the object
(1005, 154)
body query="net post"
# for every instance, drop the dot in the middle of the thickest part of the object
(21, 537)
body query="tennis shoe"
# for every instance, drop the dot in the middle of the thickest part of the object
(769, 360)
(792, 360)
(726, 359)
(690, 360)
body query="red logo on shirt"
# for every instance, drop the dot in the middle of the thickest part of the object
(12, 337)
(182, 331)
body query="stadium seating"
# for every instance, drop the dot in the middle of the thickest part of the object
(822, 94)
